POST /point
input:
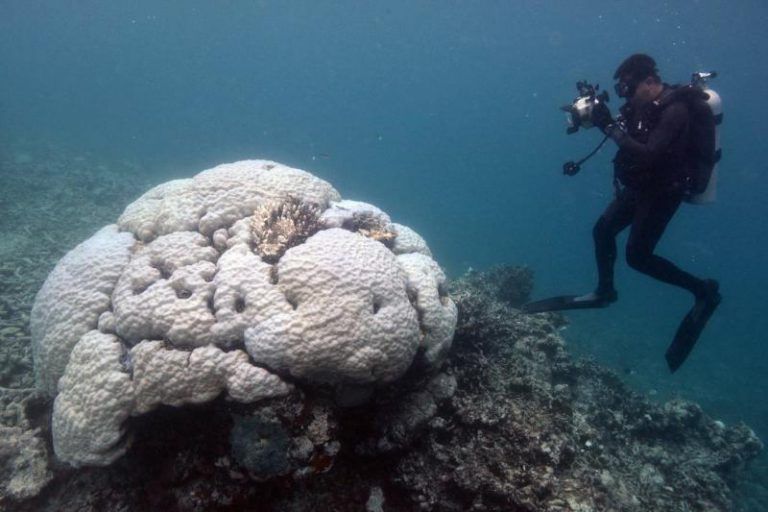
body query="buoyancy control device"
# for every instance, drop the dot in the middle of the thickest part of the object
(705, 114)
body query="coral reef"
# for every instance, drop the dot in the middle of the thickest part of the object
(508, 422)
(530, 429)
(24, 468)
(505, 421)
(243, 279)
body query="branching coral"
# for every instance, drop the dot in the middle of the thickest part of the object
(365, 219)
(381, 235)
(278, 225)
(373, 227)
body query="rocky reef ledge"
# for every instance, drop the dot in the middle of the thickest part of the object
(509, 422)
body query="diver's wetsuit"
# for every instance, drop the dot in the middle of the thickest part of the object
(651, 166)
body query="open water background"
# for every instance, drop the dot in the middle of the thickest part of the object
(445, 114)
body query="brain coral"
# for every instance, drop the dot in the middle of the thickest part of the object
(246, 279)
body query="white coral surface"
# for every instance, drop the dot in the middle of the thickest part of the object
(350, 318)
(95, 399)
(174, 305)
(73, 297)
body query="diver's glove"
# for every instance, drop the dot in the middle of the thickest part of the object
(601, 116)
(616, 132)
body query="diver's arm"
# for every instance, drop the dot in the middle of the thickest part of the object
(672, 122)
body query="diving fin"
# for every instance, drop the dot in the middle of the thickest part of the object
(691, 327)
(563, 302)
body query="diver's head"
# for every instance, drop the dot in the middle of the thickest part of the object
(638, 79)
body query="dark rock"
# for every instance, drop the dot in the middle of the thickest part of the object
(260, 444)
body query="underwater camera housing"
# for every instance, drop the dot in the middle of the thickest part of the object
(579, 113)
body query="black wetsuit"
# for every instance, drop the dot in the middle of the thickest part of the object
(652, 173)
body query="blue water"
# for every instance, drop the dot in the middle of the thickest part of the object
(446, 115)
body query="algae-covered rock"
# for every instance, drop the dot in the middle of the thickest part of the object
(529, 428)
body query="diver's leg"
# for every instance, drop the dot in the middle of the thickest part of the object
(616, 217)
(651, 219)
(652, 215)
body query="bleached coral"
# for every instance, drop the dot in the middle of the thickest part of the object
(437, 312)
(72, 298)
(350, 318)
(98, 391)
(217, 197)
(174, 377)
(407, 240)
(95, 398)
(230, 282)
(164, 291)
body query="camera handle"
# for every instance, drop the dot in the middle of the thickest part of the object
(570, 168)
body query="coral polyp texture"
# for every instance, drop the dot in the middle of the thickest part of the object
(248, 279)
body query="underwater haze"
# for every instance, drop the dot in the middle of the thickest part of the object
(445, 114)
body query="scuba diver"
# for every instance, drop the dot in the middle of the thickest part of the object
(666, 142)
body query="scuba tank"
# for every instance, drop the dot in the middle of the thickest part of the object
(707, 191)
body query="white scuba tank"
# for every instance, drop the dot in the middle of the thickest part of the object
(716, 106)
